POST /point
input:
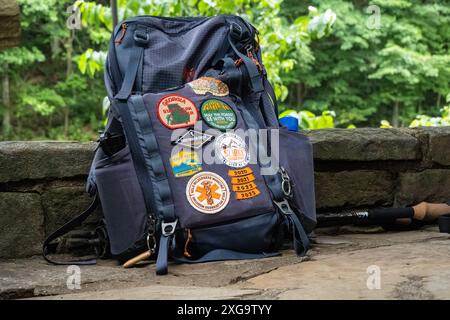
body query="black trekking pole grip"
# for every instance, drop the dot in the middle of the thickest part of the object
(390, 214)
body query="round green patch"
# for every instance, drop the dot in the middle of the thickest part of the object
(217, 114)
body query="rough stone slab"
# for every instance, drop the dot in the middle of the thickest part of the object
(62, 204)
(407, 271)
(431, 185)
(161, 293)
(39, 160)
(364, 144)
(331, 262)
(10, 20)
(21, 223)
(440, 145)
(353, 188)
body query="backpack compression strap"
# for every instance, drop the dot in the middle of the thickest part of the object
(48, 246)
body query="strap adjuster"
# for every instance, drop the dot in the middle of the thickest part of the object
(235, 31)
(168, 228)
(284, 207)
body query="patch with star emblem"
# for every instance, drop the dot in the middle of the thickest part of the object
(207, 192)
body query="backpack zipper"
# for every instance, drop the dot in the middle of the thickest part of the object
(124, 31)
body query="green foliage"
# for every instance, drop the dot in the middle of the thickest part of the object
(362, 70)
(320, 55)
(427, 121)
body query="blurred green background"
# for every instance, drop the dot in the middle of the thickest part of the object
(334, 63)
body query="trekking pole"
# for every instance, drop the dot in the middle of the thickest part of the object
(424, 211)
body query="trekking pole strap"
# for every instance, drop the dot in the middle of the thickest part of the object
(72, 224)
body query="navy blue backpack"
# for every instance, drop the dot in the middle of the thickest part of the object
(175, 174)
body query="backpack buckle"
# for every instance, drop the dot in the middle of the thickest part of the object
(141, 37)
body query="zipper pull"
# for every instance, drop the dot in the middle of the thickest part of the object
(124, 30)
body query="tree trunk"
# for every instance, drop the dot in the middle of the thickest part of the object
(438, 100)
(301, 92)
(68, 73)
(395, 115)
(6, 103)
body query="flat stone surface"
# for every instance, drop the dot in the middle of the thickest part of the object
(413, 264)
(407, 271)
(21, 224)
(161, 293)
(41, 159)
(429, 185)
(364, 144)
(353, 188)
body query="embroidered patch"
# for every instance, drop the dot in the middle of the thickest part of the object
(242, 180)
(231, 150)
(217, 114)
(214, 86)
(193, 139)
(240, 172)
(242, 183)
(185, 163)
(207, 192)
(243, 187)
(247, 194)
(175, 111)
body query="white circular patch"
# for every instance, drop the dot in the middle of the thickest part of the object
(207, 192)
(232, 150)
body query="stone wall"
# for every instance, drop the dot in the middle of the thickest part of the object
(10, 24)
(42, 183)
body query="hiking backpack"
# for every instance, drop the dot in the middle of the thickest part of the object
(195, 84)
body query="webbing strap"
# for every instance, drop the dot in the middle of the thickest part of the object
(163, 255)
(48, 246)
(134, 61)
(165, 207)
(164, 200)
(254, 75)
(300, 238)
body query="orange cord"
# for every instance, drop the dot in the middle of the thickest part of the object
(124, 30)
(189, 238)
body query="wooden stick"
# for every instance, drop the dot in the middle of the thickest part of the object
(137, 259)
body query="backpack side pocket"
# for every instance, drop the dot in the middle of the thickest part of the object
(121, 199)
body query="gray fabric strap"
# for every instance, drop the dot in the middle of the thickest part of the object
(165, 208)
(164, 201)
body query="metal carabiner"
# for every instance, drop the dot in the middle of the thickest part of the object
(286, 186)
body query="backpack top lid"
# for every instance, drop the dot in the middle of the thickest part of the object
(176, 50)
